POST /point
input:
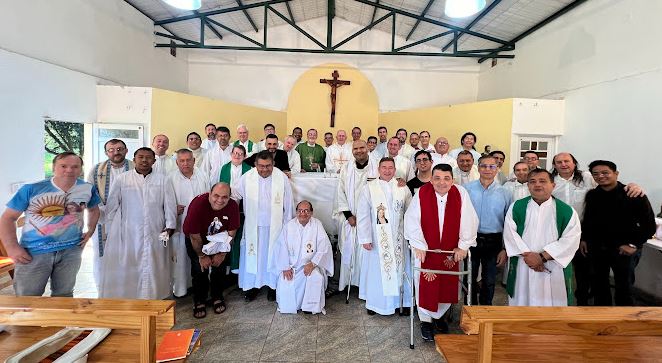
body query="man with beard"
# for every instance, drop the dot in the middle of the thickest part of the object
(210, 142)
(102, 177)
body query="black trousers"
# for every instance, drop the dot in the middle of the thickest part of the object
(485, 254)
(581, 265)
(604, 258)
(211, 279)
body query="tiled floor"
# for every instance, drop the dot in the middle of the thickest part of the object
(256, 332)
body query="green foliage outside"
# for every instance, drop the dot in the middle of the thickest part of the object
(60, 137)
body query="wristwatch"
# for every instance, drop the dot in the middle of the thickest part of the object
(542, 256)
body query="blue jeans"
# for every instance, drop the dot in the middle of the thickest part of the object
(60, 266)
(485, 255)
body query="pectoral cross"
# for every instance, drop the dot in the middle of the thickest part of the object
(335, 83)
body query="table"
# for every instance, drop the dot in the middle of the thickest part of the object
(320, 190)
(648, 274)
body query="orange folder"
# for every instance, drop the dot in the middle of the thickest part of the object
(174, 345)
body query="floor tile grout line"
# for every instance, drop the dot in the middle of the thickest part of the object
(264, 343)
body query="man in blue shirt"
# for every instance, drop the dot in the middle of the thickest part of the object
(52, 240)
(491, 202)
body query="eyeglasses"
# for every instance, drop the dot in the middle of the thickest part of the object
(601, 173)
(303, 211)
(117, 149)
(442, 143)
(531, 158)
(424, 160)
(488, 166)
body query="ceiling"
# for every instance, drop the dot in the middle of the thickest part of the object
(505, 20)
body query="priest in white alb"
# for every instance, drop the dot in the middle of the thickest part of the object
(293, 157)
(380, 228)
(164, 164)
(218, 156)
(338, 154)
(353, 178)
(188, 182)
(404, 168)
(268, 206)
(440, 217)
(303, 259)
(541, 235)
(193, 142)
(141, 215)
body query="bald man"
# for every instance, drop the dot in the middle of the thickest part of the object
(165, 164)
(338, 154)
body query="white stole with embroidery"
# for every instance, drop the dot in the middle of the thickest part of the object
(390, 250)
(276, 215)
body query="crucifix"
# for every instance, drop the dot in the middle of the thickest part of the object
(335, 83)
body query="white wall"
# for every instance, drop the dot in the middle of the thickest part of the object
(30, 90)
(107, 39)
(605, 60)
(125, 105)
(264, 79)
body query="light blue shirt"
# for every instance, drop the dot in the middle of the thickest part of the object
(491, 205)
(53, 217)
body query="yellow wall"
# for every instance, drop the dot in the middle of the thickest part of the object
(309, 102)
(491, 121)
(176, 114)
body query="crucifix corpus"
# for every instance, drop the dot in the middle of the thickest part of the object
(335, 83)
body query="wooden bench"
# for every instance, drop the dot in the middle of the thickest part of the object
(136, 321)
(503, 333)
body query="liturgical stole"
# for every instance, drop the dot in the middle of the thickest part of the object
(226, 172)
(390, 248)
(563, 216)
(250, 224)
(444, 288)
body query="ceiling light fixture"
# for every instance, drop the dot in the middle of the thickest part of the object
(184, 4)
(463, 8)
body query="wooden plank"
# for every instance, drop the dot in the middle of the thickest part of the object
(100, 306)
(485, 343)
(68, 318)
(552, 348)
(148, 339)
(564, 320)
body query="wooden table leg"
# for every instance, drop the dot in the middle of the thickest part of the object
(485, 343)
(148, 339)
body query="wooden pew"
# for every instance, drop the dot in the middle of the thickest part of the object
(139, 320)
(503, 333)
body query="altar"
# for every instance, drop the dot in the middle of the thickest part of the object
(320, 190)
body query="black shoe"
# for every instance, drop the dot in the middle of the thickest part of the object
(427, 331)
(370, 312)
(405, 311)
(271, 295)
(440, 326)
(250, 295)
(307, 312)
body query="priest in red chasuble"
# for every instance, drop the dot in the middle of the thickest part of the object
(440, 216)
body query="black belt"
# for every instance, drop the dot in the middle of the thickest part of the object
(490, 235)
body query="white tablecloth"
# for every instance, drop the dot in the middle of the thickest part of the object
(320, 190)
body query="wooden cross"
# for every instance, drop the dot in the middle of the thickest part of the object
(335, 83)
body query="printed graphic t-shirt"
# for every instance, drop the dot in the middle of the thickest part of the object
(53, 217)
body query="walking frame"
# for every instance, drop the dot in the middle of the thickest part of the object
(410, 278)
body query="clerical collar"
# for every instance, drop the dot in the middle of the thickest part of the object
(361, 166)
(311, 145)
